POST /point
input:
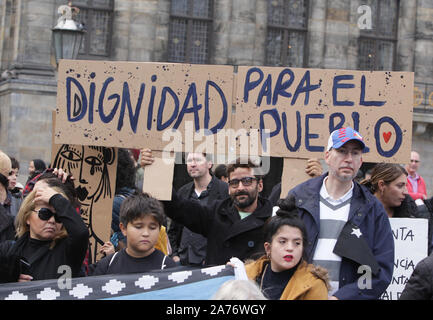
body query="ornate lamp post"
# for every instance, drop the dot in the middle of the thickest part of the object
(67, 36)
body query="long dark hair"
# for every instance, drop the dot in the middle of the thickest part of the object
(287, 215)
(387, 172)
(126, 170)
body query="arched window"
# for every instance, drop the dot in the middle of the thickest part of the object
(190, 31)
(377, 46)
(97, 17)
(286, 43)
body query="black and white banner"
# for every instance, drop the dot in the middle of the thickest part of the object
(170, 284)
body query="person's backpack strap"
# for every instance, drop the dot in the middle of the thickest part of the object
(112, 258)
(111, 261)
(163, 263)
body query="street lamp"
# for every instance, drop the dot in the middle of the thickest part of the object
(67, 36)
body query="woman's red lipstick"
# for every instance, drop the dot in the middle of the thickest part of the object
(288, 258)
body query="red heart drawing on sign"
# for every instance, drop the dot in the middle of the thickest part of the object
(387, 136)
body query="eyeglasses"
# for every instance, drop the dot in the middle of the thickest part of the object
(416, 161)
(246, 181)
(45, 214)
(355, 153)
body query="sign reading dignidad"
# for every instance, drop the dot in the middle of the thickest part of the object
(133, 105)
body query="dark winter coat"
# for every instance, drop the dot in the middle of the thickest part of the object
(374, 248)
(227, 235)
(45, 261)
(190, 246)
(420, 284)
(7, 229)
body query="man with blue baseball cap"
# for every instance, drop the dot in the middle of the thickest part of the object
(348, 229)
(340, 136)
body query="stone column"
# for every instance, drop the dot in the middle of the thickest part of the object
(28, 88)
(161, 31)
(221, 29)
(242, 32)
(316, 33)
(337, 34)
(423, 42)
(121, 30)
(406, 35)
(261, 20)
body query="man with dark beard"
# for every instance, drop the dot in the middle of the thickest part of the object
(234, 226)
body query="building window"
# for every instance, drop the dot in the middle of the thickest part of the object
(377, 46)
(286, 43)
(97, 18)
(190, 31)
(9, 36)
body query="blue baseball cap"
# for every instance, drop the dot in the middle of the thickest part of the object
(340, 136)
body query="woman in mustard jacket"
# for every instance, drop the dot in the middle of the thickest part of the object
(283, 272)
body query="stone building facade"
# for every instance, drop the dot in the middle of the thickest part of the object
(139, 30)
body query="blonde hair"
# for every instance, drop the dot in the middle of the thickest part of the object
(26, 209)
(239, 290)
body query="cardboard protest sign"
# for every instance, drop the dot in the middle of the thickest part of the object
(161, 173)
(300, 107)
(279, 112)
(293, 174)
(94, 170)
(411, 243)
(139, 104)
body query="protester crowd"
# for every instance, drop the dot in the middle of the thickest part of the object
(307, 245)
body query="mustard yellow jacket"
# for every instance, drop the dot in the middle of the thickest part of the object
(309, 282)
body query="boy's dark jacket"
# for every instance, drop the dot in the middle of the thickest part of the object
(374, 248)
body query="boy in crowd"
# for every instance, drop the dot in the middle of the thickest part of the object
(141, 218)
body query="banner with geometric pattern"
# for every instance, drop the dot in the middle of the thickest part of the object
(177, 283)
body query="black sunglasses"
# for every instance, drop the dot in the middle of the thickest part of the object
(45, 214)
(246, 181)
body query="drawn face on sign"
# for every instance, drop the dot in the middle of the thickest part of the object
(89, 165)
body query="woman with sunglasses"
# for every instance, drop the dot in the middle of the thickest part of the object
(50, 234)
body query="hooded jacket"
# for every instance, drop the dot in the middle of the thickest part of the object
(371, 245)
(227, 235)
(309, 282)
